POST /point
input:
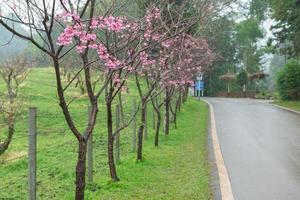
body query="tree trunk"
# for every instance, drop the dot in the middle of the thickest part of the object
(110, 143)
(4, 146)
(177, 108)
(167, 115)
(80, 170)
(146, 126)
(157, 129)
(10, 119)
(185, 94)
(180, 102)
(140, 132)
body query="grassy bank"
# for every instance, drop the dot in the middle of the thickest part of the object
(294, 105)
(177, 169)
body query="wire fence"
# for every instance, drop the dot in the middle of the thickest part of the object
(55, 154)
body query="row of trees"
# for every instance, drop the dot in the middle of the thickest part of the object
(240, 52)
(286, 44)
(99, 47)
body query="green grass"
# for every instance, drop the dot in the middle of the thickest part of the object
(177, 169)
(294, 105)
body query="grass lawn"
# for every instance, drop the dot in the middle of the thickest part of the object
(294, 105)
(177, 169)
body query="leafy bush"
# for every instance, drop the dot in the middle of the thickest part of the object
(288, 81)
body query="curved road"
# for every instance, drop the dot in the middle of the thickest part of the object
(261, 148)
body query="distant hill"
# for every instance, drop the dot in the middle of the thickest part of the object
(14, 46)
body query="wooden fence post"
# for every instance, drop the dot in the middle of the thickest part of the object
(32, 154)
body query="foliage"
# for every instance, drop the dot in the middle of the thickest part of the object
(287, 15)
(220, 34)
(248, 32)
(288, 82)
(258, 9)
(242, 77)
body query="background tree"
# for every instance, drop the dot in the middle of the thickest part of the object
(220, 35)
(13, 72)
(287, 16)
(247, 36)
(242, 79)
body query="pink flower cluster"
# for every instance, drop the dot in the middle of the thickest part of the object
(88, 40)
(68, 17)
(162, 62)
(110, 61)
(111, 23)
(66, 37)
(117, 79)
(144, 57)
(152, 15)
(150, 18)
(168, 43)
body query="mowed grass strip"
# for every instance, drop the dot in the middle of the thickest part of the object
(177, 169)
(294, 105)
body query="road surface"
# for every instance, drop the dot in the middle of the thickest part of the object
(260, 144)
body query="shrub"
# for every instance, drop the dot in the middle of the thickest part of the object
(288, 81)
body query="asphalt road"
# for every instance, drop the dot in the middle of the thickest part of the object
(261, 148)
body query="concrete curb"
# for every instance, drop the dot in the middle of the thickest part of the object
(285, 108)
(225, 185)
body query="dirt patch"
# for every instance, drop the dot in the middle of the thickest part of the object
(12, 157)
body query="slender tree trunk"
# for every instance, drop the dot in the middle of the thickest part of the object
(157, 129)
(110, 145)
(167, 114)
(180, 102)
(175, 113)
(146, 126)
(121, 106)
(140, 132)
(185, 94)
(156, 111)
(80, 170)
(10, 119)
(80, 167)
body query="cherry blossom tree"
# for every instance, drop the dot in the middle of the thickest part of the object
(42, 22)
(182, 58)
(122, 46)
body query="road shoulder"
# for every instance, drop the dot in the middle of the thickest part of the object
(222, 174)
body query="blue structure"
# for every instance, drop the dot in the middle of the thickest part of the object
(199, 86)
